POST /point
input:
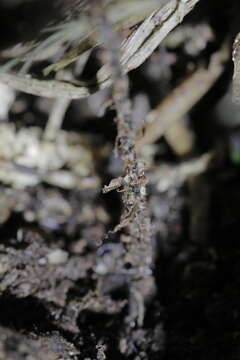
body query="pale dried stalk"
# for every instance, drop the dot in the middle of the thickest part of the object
(164, 20)
(236, 72)
(182, 99)
(45, 88)
(134, 52)
(166, 176)
(60, 106)
(140, 45)
(55, 119)
(180, 137)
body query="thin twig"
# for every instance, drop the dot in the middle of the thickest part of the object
(135, 213)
